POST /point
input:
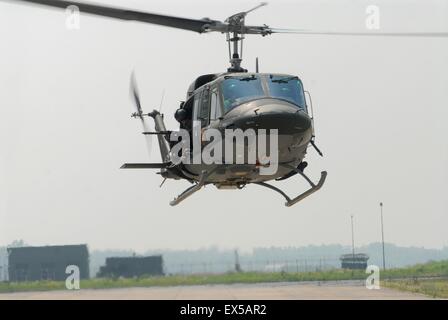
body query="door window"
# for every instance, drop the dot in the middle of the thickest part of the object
(215, 106)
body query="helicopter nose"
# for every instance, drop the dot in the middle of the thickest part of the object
(268, 114)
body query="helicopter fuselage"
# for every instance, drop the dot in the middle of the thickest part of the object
(247, 101)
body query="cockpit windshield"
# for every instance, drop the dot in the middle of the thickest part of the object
(287, 88)
(239, 89)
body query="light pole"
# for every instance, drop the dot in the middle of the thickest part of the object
(382, 236)
(353, 239)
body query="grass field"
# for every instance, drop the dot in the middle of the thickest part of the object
(177, 280)
(432, 269)
(429, 287)
(415, 280)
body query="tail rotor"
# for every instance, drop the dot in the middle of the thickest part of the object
(138, 111)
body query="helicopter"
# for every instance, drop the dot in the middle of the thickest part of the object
(270, 104)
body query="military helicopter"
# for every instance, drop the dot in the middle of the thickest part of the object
(234, 99)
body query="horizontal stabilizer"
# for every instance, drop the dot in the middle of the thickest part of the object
(144, 165)
(160, 132)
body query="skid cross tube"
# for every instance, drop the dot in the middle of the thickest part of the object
(290, 202)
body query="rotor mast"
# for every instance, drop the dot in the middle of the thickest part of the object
(235, 55)
(235, 36)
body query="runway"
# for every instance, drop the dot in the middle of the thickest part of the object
(339, 290)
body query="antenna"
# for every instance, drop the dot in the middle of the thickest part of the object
(353, 239)
(256, 65)
(382, 236)
(237, 261)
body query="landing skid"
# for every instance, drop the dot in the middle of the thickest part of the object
(290, 202)
(184, 195)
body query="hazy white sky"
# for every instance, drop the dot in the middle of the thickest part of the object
(380, 106)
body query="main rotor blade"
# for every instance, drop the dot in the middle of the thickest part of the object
(365, 33)
(262, 4)
(237, 18)
(124, 14)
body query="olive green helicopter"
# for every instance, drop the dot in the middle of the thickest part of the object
(231, 100)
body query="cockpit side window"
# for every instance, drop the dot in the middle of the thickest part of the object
(204, 114)
(287, 88)
(215, 105)
(196, 106)
(201, 107)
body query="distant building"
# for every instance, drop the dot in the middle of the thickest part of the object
(3, 264)
(354, 261)
(128, 267)
(46, 263)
